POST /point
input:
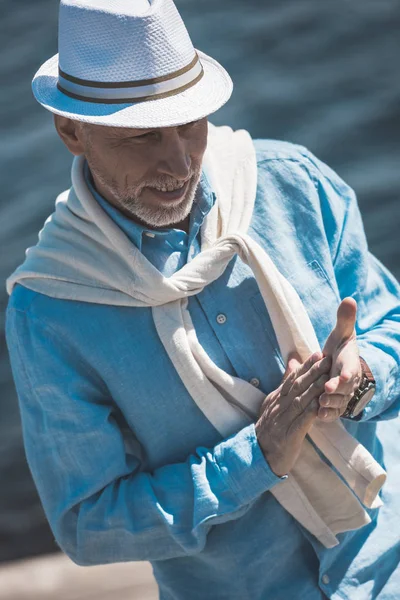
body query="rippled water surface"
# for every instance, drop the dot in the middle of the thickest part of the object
(323, 74)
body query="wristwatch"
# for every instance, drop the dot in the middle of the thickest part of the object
(363, 393)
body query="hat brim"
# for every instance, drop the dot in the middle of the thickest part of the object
(202, 99)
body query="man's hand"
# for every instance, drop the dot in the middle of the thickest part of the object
(288, 413)
(345, 374)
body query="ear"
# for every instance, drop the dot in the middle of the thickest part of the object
(69, 132)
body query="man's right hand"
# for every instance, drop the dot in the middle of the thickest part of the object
(288, 413)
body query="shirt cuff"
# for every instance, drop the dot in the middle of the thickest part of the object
(243, 466)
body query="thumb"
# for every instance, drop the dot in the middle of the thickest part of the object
(293, 363)
(346, 320)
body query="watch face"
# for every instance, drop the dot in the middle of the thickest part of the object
(363, 401)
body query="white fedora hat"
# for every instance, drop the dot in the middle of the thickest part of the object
(129, 63)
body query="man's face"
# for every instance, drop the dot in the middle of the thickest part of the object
(149, 174)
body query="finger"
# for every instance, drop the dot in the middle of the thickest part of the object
(346, 319)
(329, 414)
(289, 376)
(293, 374)
(292, 369)
(294, 362)
(305, 419)
(287, 383)
(339, 401)
(352, 374)
(303, 382)
(336, 385)
(307, 364)
(300, 403)
(346, 375)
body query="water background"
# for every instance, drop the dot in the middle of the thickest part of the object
(322, 74)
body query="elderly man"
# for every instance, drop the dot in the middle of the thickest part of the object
(166, 331)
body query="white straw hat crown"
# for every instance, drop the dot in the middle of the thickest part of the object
(129, 63)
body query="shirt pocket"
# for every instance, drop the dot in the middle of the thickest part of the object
(313, 281)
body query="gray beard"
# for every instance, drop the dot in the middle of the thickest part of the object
(152, 216)
(162, 216)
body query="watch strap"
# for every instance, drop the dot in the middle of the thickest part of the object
(367, 381)
(367, 371)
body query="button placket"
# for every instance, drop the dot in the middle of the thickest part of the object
(239, 336)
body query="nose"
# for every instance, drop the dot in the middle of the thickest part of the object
(175, 159)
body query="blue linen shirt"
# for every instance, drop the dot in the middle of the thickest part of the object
(127, 466)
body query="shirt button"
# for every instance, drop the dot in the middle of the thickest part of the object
(325, 579)
(255, 382)
(221, 319)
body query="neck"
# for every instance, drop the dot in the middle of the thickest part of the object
(183, 225)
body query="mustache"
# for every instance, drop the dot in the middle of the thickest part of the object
(165, 180)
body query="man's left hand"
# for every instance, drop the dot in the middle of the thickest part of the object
(346, 372)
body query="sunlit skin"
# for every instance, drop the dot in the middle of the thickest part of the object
(128, 165)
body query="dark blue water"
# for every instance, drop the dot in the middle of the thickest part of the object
(323, 74)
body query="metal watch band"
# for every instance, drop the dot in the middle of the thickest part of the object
(367, 381)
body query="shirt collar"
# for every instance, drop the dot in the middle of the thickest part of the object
(204, 201)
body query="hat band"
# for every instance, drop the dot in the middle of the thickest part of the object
(131, 91)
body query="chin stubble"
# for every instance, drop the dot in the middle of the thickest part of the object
(153, 215)
(163, 215)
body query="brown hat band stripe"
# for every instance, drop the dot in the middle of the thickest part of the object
(129, 84)
(134, 99)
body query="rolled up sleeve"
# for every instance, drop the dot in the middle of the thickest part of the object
(101, 504)
(362, 276)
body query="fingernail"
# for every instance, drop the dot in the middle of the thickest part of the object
(324, 413)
